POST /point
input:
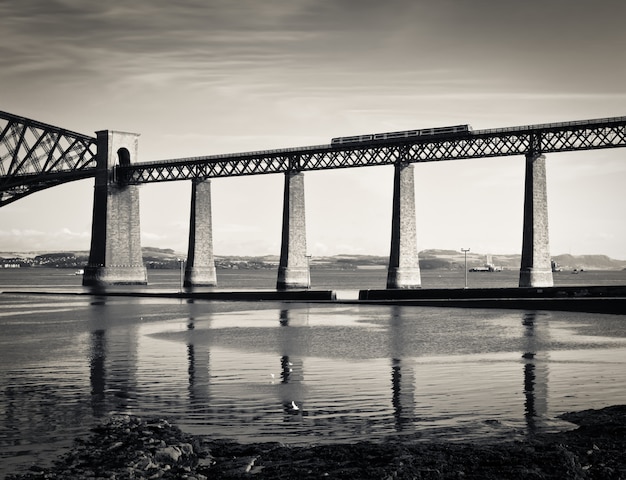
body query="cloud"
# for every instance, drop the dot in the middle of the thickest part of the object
(31, 239)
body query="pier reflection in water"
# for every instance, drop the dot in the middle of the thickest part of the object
(324, 368)
(290, 390)
(536, 361)
(113, 358)
(303, 373)
(199, 358)
(402, 374)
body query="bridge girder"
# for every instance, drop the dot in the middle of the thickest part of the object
(544, 138)
(35, 156)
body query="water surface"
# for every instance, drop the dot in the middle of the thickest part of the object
(235, 370)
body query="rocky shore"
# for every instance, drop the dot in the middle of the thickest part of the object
(128, 447)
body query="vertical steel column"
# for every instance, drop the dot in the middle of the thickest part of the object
(200, 269)
(404, 269)
(293, 270)
(535, 268)
(115, 257)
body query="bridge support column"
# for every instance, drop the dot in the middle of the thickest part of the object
(200, 269)
(535, 269)
(293, 270)
(115, 257)
(404, 269)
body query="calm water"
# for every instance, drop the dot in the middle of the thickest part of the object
(232, 370)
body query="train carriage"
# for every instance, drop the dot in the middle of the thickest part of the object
(401, 135)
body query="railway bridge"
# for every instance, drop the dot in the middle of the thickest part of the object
(35, 156)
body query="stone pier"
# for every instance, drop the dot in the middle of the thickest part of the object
(535, 268)
(293, 270)
(200, 270)
(115, 257)
(404, 269)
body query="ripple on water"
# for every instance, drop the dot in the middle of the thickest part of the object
(354, 372)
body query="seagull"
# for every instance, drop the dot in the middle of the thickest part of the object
(294, 406)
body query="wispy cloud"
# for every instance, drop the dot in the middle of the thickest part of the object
(63, 238)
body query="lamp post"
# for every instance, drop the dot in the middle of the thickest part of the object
(308, 264)
(182, 263)
(465, 250)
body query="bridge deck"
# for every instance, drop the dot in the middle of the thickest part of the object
(544, 138)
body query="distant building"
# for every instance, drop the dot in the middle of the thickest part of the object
(488, 267)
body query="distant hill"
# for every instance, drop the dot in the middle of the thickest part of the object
(589, 262)
(432, 259)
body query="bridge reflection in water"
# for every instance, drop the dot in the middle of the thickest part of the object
(298, 373)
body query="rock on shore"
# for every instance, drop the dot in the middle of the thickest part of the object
(128, 447)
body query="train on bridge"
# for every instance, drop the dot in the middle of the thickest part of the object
(405, 134)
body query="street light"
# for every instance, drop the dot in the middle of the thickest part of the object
(465, 250)
(308, 265)
(182, 263)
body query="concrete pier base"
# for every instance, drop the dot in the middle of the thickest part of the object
(115, 257)
(535, 268)
(200, 270)
(404, 269)
(115, 275)
(293, 269)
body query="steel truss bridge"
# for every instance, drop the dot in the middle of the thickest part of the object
(35, 155)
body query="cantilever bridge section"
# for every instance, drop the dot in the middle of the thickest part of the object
(499, 142)
(35, 155)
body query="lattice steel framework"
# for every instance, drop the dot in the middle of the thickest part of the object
(544, 138)
(35, 156)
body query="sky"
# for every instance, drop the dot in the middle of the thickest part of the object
(203, 77)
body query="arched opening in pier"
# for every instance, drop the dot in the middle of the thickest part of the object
(123, 157)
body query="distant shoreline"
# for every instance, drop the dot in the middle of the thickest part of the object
(428, 259)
